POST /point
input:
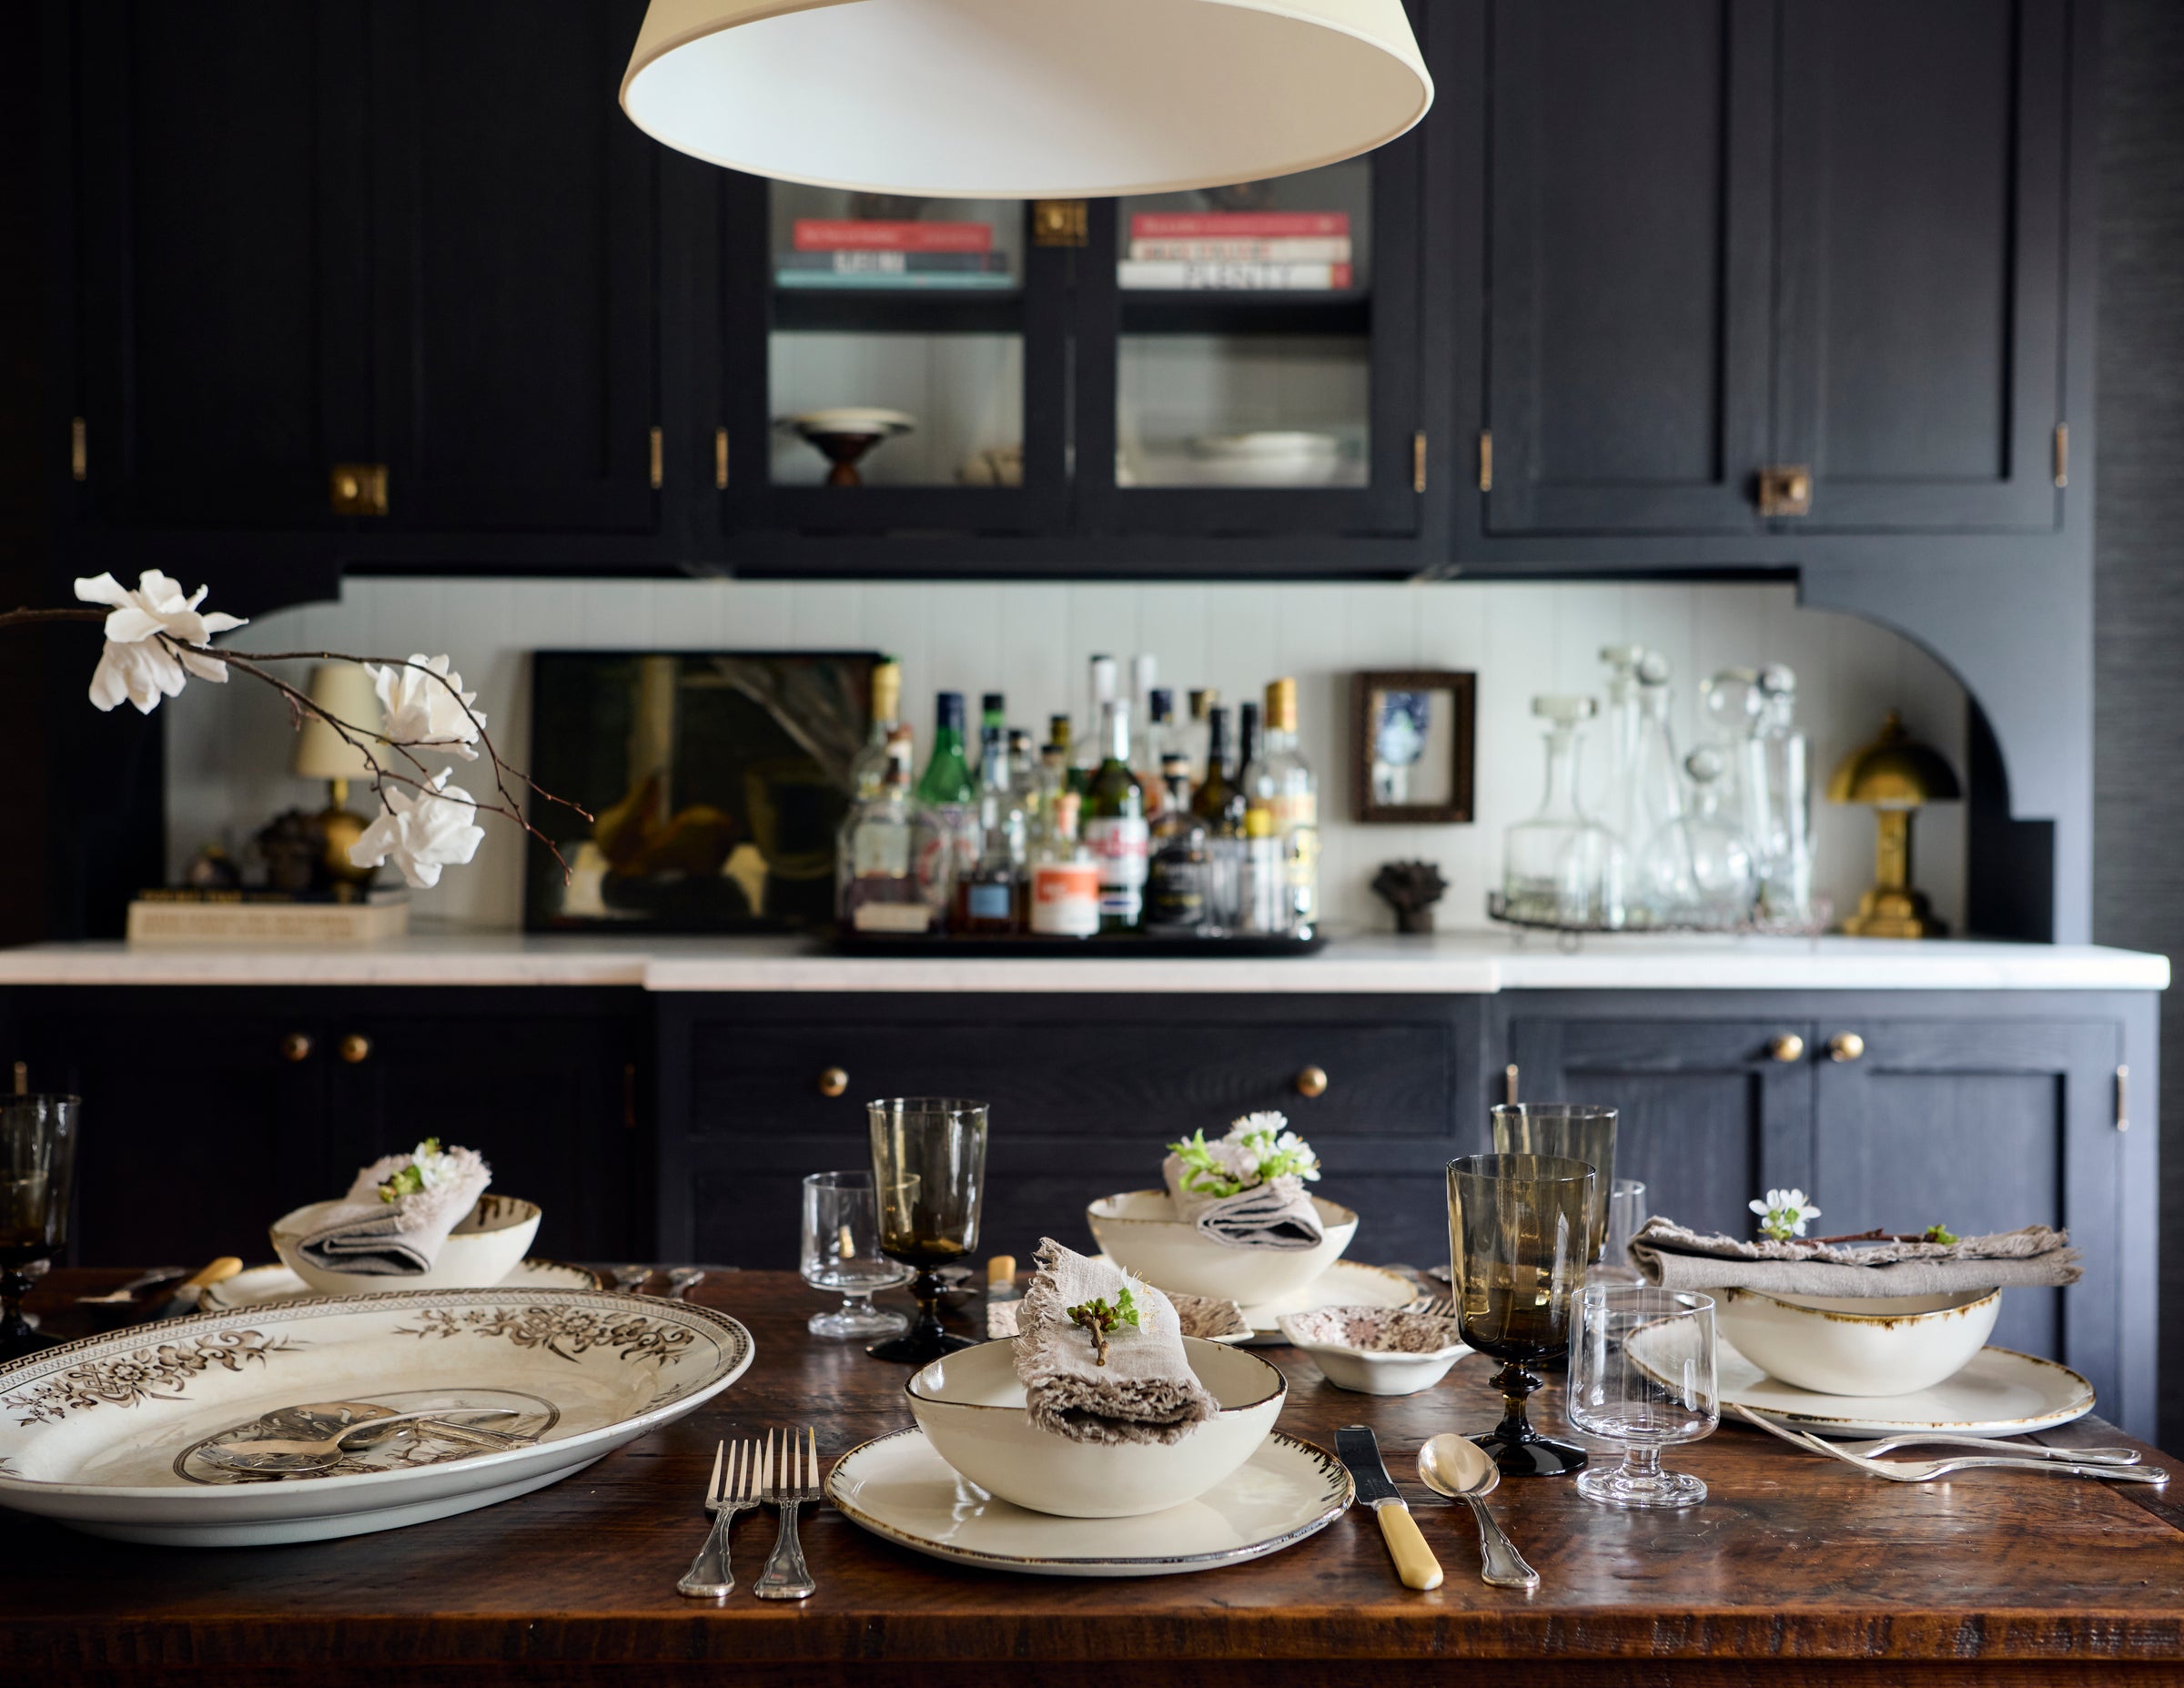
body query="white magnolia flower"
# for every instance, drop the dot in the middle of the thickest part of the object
(423, 713)
(137, 664)
(435, 1166)
(421, 831)
(1783, 1213)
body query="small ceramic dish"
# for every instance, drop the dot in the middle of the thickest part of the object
(486, 1244)
(1139, 1231)
(1377, 1350)
(970, 1406)
(1859, 1345)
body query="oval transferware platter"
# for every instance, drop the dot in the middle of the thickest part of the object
(261, 1284)
(109, 1434)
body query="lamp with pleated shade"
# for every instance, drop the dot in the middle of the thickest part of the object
(344, 690)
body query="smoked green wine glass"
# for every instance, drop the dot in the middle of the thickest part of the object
(928, 1170)
(1570, 1131)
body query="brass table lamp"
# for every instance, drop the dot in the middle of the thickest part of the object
(345, 692)
(1894, 775)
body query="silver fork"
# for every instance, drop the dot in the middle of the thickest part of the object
(733, 1488)
(785, 1576)
(1927, 1470)
(2024, 1450)
(1437, 1306)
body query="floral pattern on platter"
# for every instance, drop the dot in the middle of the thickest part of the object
(564, 1331)
(145, 1374)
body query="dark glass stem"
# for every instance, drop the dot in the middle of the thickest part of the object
(1516, 1449)
(926, 1339)
(17, 1337)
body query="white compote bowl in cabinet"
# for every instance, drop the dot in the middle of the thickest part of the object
(970, 1406)
(1139, 1232)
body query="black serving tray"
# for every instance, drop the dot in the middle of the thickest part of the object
(1034, 946)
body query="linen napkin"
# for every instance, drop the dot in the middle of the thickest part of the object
(1676, 1259)
(1203, 1315)
(396, 1239)
(1272, 1213)
(1147, 1391)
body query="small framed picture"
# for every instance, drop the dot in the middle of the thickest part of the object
(1410, 746)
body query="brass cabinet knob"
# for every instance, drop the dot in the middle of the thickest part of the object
(1846, 1045)
(295, 1046)
(1313, 1081)
(833, 1082)
(1789, 1046)
(355, 1048)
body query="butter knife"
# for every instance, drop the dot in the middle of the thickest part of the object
(1414, 1562)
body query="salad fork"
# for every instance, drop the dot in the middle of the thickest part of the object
(1927, 1470)
(785, 1576)
(2023, 1450)
(733, 1488)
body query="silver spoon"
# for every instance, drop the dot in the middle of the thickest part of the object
(1457, 1467)
(368, 1415)
(250, 1455)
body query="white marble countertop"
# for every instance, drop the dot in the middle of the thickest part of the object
(1449, 964)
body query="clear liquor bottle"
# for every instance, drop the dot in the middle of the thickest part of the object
(948, 798)
(1219, 802)
(1281, 827)
(990, 893)
(869, 766)
(877, 883)
(1150, 748)
(1197, 730)
(1065, 879)
(993, 718)
(1114, 826)
(1087, 747)
(1178, 885)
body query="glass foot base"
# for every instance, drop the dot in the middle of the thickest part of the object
(1535, 1456)
(863, 1321)
(917, 1349)
(1621, 1487)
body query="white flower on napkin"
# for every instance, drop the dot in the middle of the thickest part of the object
(421, 832)
(1783, 1213)
(424, 714)
(137, 663)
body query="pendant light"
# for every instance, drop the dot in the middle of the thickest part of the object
(1025, 99)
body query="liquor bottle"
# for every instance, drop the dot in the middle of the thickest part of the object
(1203, 700)
(1145, 674)
(948, 798)
(870, 765)
(1150, 748)
(1114, 826)
(993, 718)
(1258, 875)
(1281, 824)
(1088, 747)
(1220, 803)
(1065, 879)
(1179, 883)
(876, 886)
(1024, 779)
(990, 890)
(1053, 778)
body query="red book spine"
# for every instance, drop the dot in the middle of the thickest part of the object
(814, 234)
(1236, 225)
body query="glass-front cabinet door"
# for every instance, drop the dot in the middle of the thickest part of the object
(891, 363)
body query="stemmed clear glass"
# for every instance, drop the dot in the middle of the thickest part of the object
(1642, 1373)
(928, 1167)
(37, 1166)
(842, 1252)
(1626, 1219)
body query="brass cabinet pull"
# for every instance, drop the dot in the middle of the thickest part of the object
(720, 459)
(295, 1046)
(1846, 1046)
(2123, 1098)
(1789, 1046)
(355, 1048)
(834, 1081)
(1786, 489)
(656, 457)
(1313, 1081)
(358, 488)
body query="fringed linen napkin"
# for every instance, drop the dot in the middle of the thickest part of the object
(1677, 1259)
(1136, 1387)
(401, 1238)
(1268, 1212)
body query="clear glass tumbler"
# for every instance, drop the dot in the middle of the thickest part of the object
(1626, 1219)
(842, 1252)
(1642, 1373)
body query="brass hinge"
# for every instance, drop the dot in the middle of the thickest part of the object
(1508, 1083)
(2123, 1098)
(1418, 461)
(1486, 474)
(79, 450)
(2062, 454)
(1060, 223)
(358, 488)
(720, 457)
(1786, 489)
(658, 465)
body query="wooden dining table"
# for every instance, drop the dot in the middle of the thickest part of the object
(1797, 1571)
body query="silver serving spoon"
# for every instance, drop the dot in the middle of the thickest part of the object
(1457, 1467)
(299, 1453)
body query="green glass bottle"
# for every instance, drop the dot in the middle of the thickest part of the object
(1115, 827)
(949, 797)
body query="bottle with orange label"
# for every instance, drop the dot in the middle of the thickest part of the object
(1065, 879)
(1281, 827)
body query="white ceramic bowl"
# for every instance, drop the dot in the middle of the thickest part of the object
(486, 1244)
(1859, 1345)
(970, 1406)
(1377, 1350)
(1139, 1232)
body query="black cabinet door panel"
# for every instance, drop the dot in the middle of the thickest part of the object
(1629, 203)
(1921, 267)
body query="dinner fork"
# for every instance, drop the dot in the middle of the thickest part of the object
(732, 1489)
(1435, 1307)
(786, 1577)
(1927, 1470)
(2025, 1449)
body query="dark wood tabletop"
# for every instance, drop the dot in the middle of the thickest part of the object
(1795, 1572)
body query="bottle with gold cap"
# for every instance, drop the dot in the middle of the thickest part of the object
(869, 768)
(1281, 827)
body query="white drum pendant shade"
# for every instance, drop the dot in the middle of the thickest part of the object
(1024, 99)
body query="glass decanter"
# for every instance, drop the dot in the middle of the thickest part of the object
(1782, 762)
(1618, 805)
(1700, 867)
(1554, 865)
(1658, 779)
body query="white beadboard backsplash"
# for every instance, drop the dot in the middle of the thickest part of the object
(228, 747)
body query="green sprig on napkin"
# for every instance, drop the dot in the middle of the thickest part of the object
(1101, 1317)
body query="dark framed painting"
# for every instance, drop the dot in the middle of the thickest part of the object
(717, 782)
(1411, 745)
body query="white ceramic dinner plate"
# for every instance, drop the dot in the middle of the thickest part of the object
(2000, 1392)
(261, 1285)
(105, 1434)
(898, 1487)
(1346, 1283)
